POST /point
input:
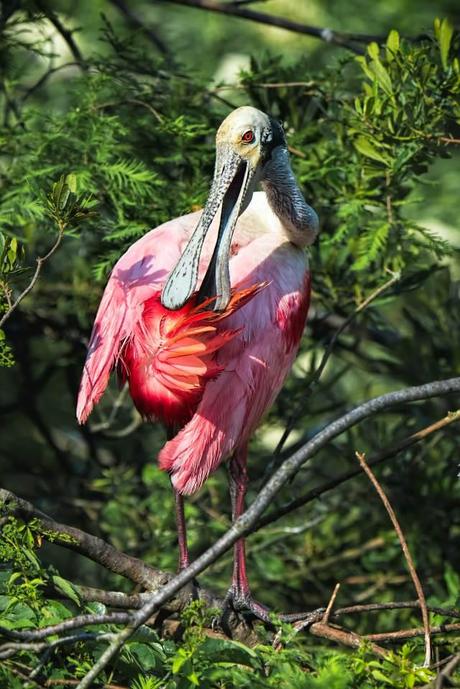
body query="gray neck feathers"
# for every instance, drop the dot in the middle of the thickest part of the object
(299, 219)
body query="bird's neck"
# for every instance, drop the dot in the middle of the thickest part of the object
(298, 219)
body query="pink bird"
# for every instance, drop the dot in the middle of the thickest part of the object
(209, 362)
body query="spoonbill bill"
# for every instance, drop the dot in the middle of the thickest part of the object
(203, 318)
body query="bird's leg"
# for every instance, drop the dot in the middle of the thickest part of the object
(184, 560)
(240, 594)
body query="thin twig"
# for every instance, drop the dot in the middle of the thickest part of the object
(243, 524)
(399, 605)
(330, 605)
(137, 23)
(448, 140)
(115, 599)
(410, 563)
(9, 649)
(40, 261)
(39, 83)
(447, 671)
(412, 633)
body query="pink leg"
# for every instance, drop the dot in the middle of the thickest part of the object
(181, 531)
(240, 593)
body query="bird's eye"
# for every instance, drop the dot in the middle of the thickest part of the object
(248, 136)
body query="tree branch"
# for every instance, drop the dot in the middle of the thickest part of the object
(344, 40)
(81, 542)
(378, 458)
(68, 625)
(412, 633)
(243, 525)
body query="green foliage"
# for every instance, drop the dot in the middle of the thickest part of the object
(367, 147)
(102, 154)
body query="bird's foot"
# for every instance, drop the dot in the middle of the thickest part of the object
(241, 601)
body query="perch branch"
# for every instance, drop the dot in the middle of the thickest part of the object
(81, 542)
(410, 563)
(243, 525)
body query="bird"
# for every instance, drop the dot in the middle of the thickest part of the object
(202, 317)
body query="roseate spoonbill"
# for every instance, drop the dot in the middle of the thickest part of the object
(208, 363)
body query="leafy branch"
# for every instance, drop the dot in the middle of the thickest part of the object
(65, 208)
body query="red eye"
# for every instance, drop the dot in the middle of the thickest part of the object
(248, 136)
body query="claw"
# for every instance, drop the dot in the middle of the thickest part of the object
(242, 602)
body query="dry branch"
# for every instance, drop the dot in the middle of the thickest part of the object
(343, 637)
(404, 634)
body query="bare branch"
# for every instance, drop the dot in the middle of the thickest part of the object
(10, 649)
(243, 525)
(445, 674)
(400, 605)
(330, 605)
(405, 548)
(73, 623)
(114, 599)
(344, 40)
(81, 542)
(343, 637)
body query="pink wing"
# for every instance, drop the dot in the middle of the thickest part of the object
(138, 275)
(233, 404)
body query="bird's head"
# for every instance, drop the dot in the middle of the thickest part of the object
(245, 142)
